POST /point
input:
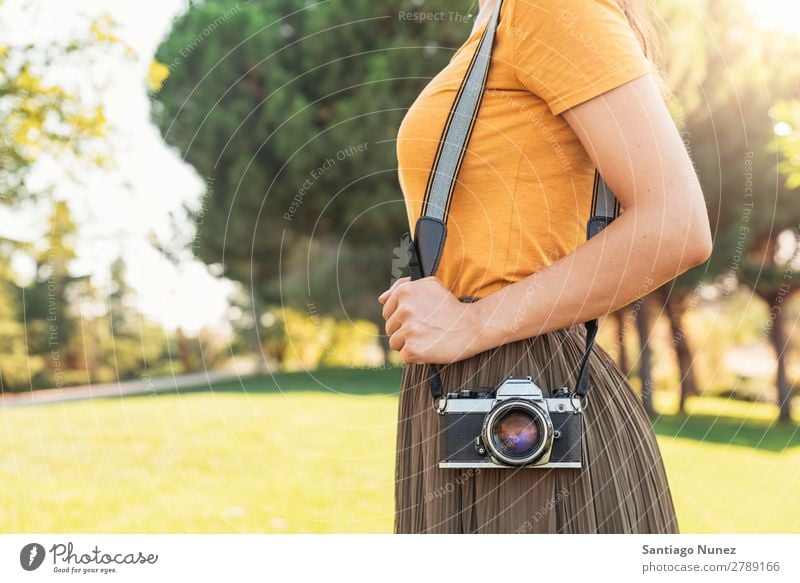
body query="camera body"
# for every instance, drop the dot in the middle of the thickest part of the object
(512, 426)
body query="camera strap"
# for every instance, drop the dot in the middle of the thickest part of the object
(431, 228)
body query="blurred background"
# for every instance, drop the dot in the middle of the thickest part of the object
(200, 207)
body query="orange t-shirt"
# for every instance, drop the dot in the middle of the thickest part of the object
(523, 192)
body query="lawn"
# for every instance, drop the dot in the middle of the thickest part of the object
(302, 454)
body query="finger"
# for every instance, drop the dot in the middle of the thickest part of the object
(389, 292)
(391, 304)
(395, 322)
(397, 341)
(410, 356)
(385, 295)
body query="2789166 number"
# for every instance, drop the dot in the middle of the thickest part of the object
(755, 566)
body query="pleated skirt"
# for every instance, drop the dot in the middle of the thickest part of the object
(621, 487)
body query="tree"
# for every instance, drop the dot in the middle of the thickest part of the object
(290, 113)
(774, 281)
(786, 115)
(47, 316)
(16, 365)
(674, 309)
(620, 317)
(641, 314)
(773, 217)
(41, 119)
(729, 73)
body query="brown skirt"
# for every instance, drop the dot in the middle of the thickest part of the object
(621, 488)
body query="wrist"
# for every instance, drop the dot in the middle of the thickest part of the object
(489, 328)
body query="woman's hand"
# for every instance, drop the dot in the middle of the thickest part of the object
(427, 324)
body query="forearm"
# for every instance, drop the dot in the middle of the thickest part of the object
(633, 142)
(630, 258)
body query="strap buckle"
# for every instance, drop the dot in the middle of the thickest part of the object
(439, 405)
(582, 403)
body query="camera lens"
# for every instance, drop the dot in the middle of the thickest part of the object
(516, 433)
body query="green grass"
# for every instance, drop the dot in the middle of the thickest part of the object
(731, 468)
(295, 454)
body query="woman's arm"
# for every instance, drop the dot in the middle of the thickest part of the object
(662, 232)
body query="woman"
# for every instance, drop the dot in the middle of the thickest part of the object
(569, 89)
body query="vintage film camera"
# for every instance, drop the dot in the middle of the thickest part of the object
(512, 426)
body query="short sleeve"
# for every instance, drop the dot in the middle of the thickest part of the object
(570, 51)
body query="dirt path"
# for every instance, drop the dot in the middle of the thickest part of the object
(100, 391)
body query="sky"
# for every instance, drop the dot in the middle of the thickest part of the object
(782, 14)
(118, 210)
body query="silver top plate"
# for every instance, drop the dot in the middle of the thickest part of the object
(478, 405)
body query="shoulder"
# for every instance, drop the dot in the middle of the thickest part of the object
(563, 14)
(567, 22)
(571, 50)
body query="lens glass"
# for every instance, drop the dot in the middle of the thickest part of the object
(517, 433)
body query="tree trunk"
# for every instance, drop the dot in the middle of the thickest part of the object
(622, 355)
(674, 310)
(645, 354)
(779, 341)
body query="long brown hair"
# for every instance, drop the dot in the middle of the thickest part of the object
(642, 25)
